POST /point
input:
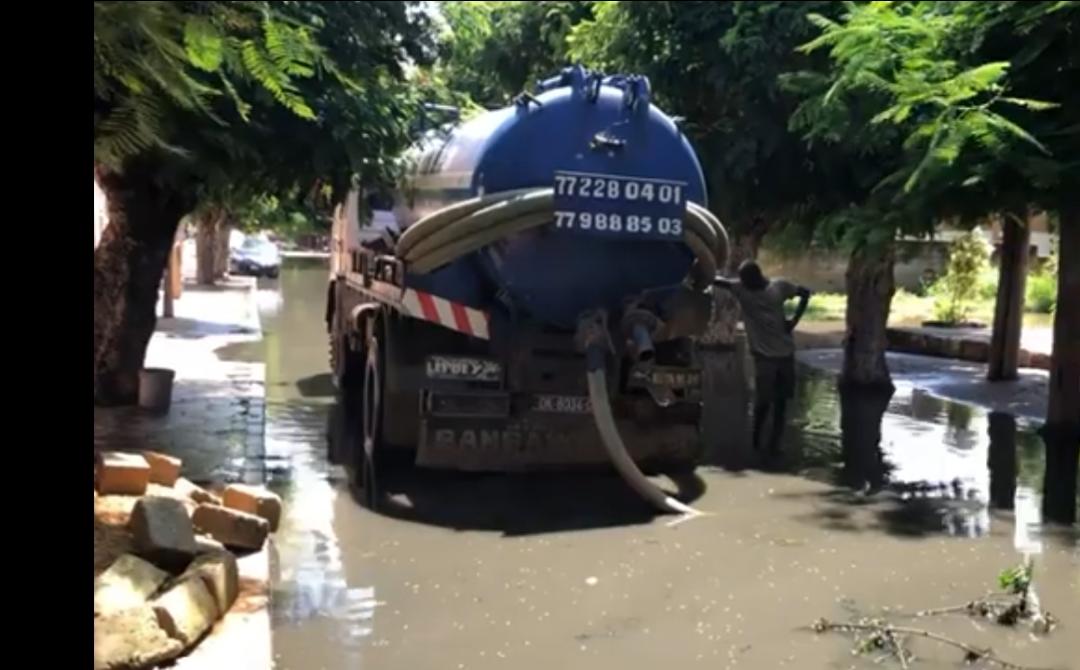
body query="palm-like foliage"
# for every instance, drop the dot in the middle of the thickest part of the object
(157, 62)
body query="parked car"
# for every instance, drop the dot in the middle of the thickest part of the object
(257, 257)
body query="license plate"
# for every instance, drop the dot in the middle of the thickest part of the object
(562, 404)
(462, 369)
(619, 206)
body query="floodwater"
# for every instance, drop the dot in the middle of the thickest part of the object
(571, 571)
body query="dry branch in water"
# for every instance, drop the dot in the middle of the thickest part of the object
(1018, 604)
(886, 636)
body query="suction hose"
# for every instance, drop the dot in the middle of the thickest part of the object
(595, 357)
(467, 226)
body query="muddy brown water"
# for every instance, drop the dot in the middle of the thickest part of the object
(571, 571)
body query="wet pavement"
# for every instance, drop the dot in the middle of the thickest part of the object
(572, 571)
(956, 380)
(215, 422)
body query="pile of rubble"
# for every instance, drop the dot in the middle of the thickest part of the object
(178, 575)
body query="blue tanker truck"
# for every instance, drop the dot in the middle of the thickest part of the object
(529, 298)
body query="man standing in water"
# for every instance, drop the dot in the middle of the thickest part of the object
(771, 343)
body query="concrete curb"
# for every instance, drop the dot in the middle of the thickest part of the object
(961, 347)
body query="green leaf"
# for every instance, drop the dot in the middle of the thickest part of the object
(1008, 126)
(1037, 105)
(203, 44)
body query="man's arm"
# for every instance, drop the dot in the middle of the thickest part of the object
(803, 294)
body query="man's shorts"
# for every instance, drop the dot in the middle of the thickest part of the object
(774, 378)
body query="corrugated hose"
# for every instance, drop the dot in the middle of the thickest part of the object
(467, 226)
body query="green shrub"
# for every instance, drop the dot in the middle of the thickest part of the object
(988, 283)
(1041, 293)
(956, 293)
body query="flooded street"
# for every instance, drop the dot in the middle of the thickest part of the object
(573, 571)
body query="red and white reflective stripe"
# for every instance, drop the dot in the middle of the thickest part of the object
(452, 315)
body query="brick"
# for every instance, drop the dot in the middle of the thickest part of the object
(196, 493)
(122, 474)
(254, 500)
(164, 470)
(187, 610)
(128, 583)
(220, 574)
(132, 638)
(231, 527)
(162, 532)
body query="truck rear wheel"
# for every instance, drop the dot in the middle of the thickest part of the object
(365, 461)
(344, 434)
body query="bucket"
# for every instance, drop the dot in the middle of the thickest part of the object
(155, 389)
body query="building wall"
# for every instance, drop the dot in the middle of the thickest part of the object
(821, 270)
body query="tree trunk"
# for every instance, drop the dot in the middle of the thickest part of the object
(221, 248)
(1061, 432)
(865, 384)
(870, 288)
(1009, 305)
(128, 267)
(861, 411)
(1002, 460)
(207, 225)
(744, 247)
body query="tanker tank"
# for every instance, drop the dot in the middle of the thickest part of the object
(538, 303)
(622, 174)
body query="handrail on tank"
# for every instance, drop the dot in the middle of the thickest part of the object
(637, 90)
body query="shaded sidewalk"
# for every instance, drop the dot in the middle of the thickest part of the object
(216, 424)
(216, 421)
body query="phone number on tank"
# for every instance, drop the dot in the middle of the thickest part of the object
(617, 188)
(617, 223)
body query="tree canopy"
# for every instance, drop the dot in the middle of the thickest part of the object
(719, 66)
(963, 87)
(491, 51)
(257, 96)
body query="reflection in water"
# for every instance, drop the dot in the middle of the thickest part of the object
(861, 411)
(311, 585)
(574, 572)
(952, 461)
(1002, 461)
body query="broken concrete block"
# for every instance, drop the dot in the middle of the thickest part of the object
(231, 527)
(122, 474)
(195, 492)
(164, 470)
(128, 583)
(187, 610)
(221, 575)
(163, 533)
(207, 545)
(132, 638)
(254, 500)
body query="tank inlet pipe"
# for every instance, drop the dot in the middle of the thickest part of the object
(596, 361)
